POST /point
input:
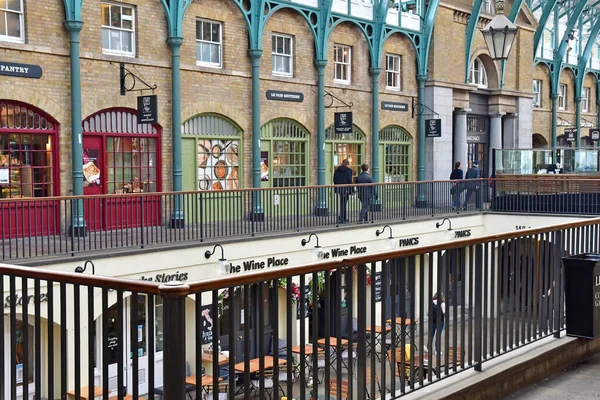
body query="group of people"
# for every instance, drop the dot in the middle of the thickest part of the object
(469, 187)
(343, 176)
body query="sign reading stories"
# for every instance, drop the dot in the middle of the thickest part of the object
(343, 123)
(433, 128)
(570, 133)
(280, 95)
(20, 70)
(207, 324)
(147, 109)
(595, 134)
(393, 106)
(377, 285)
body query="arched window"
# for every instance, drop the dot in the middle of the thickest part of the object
(211, 156)
(284, 153)
(478, 74)
(396, 150)
(340, 147)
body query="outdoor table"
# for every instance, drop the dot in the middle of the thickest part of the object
(207, 380)
(85, 390)
(207, 361)
(404, 325)
(254, 365)
(376, 337)
(308, 352)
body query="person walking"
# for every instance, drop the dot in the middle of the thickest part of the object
(436, 313)
(473, 186)
(343, 176)
(365, 193)
(456, 189)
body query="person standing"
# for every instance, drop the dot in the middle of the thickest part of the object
(457, 174)
(365, 193)
(436, 313)
(473, 186)
(343, 176)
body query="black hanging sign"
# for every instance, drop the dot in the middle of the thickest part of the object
(207, 324)
(306, 302)
(280, 95)
(343, 122)
(393, 106)
(595, 134)
(20, 70)
(377, 285)
(570, 134)
(147, 109)
(433, 128)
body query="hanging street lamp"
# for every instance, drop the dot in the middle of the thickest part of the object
(499, 34)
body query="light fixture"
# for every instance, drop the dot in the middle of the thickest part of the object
(391, 243)
(448, 235)
(318, 249)
(81, 270)
(222, 264)
(499, 34)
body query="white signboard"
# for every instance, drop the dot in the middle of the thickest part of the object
(4, 176)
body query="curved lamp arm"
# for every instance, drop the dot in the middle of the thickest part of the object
(81, 270)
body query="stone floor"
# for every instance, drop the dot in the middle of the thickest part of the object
(577, 382)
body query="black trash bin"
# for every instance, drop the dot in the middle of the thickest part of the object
(582, 295)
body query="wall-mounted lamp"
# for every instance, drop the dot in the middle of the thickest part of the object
(222, 263)
(448, 235)
(80, 270)
(318, 249)
(391, 243)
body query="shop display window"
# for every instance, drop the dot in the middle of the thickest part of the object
(20, 356)
(289, 163)
(218, 164)
(397, 165)
(131, 164)
(350, 152)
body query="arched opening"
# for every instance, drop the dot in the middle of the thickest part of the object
(478, 73)
(539, 141)
(395, 149)
(340, 147)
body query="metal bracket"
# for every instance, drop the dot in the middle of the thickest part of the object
(333, 97)
(422, 107)
(124, 73)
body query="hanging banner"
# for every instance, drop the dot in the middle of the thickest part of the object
(147, 109)
(570, 133)
(343, 123)
(595, 134)
(433, 128)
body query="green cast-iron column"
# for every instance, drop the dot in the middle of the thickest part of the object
(375, 123)
(177, 220)
(554, 97)
(322, 198)
(257, 211)
(421, 199)
(578, 121)
(77, 220)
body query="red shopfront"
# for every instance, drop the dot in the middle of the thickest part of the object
(29, 171)
(121, 157)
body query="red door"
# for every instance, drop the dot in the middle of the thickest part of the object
(93, 180)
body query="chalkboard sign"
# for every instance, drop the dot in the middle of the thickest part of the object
(377, 285)
(207, 324)
(306, 302)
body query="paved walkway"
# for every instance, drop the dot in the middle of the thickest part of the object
(578, 382)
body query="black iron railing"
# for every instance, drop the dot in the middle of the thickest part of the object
(362, 326)
(31, 228)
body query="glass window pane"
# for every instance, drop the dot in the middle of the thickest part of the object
(128, 12)
(14, 5)
(216, 33)
(13, 25)
(286, 64)
(115, 16)
(127, 24)
(205, 52)
(287, 46)
(206, 31)
(105, 13)
(126, 41)
(215, 54)
(115, 40)
(2, 23)
(199, 30)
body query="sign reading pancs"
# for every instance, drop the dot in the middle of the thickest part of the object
(433, 128)
(147, 109)
(343, 123)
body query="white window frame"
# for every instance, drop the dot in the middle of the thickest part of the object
(219, 43)
(275, 54)
(478, 74)
(345, 62)
(110, 28)
(394, 73)
(537, 93)
(488, 7)
(585, 100)
(562, 96)
(14, 39)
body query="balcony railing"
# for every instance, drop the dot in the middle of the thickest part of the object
(32, 228)
(362, 325)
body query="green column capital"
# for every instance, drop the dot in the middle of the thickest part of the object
(578, 98)
(174, 41)
(375, 71)
(554, 96)
(422, 77)
(255, 54)
(73, 25)
(321, 63)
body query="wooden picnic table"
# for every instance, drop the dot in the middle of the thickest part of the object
(254, 364)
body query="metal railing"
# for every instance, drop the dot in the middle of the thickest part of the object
(362, 326)
(31, 228)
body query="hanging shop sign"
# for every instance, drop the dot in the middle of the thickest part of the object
(280, 95)
(479, 137)
(343, 123)
(393, 106)
(570, 133)
(20, 70)
(147, 109)
(377, 285)
(433, 128)
(306, 302)
(595, 134)
(207, 323)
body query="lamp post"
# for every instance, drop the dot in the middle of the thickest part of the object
(499, 34)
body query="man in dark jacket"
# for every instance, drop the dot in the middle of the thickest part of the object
(365, 193)
(473, 186)
(343, 176)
